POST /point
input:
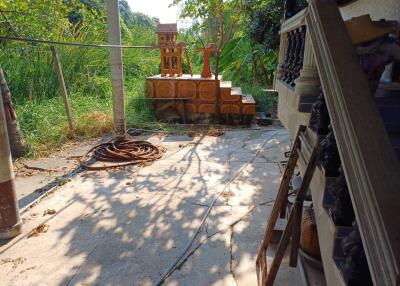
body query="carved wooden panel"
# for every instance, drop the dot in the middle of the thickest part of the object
(187, 89)
(206, 108)
(226, 96)
(165, 88)
(249, 109)
(207, 91)
(149, 88)
(191, 107)
(230, 108)
(201, 95)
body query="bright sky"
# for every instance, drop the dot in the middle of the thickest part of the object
(156, 8)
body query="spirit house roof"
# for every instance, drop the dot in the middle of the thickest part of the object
(167, 28)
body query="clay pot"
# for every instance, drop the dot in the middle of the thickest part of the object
(309, 236)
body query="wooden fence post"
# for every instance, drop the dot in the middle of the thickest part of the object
(63, 88)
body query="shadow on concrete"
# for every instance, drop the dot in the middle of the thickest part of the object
(125, 227)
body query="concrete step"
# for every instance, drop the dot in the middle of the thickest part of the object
(229, 93)
(248, 99)
(249, 104)
(225, 84)
(236, 91)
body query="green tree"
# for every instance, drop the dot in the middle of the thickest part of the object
(215, 21)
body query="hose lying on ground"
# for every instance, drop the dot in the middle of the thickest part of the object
(121, 153)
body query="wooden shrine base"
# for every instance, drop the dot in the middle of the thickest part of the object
(194, 97)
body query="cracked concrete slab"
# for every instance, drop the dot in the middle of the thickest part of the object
(126, 227)
(33, 175)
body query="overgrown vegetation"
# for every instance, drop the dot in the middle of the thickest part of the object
(32, 79)
(246, 31)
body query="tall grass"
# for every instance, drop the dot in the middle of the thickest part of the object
(31, 76)
(44, 123)
(32, 79)
(30, 73)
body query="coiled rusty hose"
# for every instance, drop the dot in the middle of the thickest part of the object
(122, 152)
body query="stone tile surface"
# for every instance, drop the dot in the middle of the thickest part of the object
(126, 227)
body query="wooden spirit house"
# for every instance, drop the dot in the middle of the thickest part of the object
(192, 97)
(171, 51)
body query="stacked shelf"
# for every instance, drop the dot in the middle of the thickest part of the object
(330, 235)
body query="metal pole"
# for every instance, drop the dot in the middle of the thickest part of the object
(10, 221)
(64, 91)
(114, 38)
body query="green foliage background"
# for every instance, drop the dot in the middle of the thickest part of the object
(30, 73)
(247, 32)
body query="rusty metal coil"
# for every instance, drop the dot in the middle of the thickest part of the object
(122, 152)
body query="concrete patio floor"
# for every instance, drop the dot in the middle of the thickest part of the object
(126, 227)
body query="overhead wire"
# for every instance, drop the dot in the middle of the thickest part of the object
(57, 43)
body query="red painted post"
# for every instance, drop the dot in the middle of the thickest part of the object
(10, 221)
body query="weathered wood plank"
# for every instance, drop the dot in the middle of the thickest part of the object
(63, 88)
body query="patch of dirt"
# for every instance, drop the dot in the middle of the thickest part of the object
(215, 133)
(212, 133)
(42, 228)
(104, 124)
(15, 262)
(27, 269)
(227, 195)
(21, 170)
(25, 220)
(49, 212)
(189, 144)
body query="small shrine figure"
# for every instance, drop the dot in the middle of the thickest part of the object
(171, 51)
(206, 59)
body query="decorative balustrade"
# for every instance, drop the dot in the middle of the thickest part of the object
(316, 54)
(296, 62)
(293, 62)
(369, 161)
(297, 80)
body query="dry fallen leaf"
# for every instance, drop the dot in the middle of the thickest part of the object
(49, 212)
(227, 194)
(42, 228)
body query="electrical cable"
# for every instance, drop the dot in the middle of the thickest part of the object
(121, 153)
(175, 264)
(34, 41)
